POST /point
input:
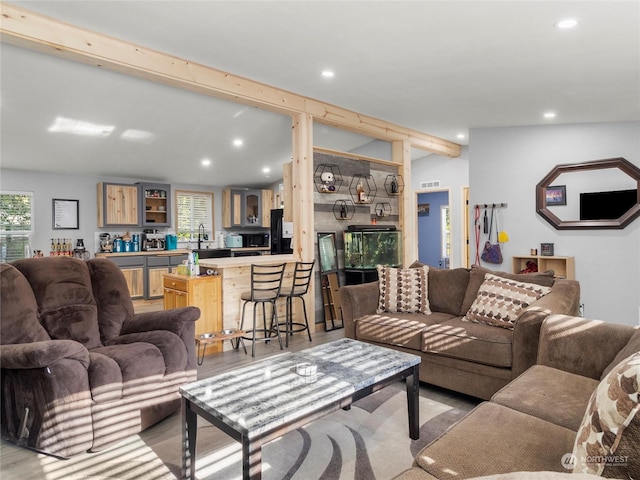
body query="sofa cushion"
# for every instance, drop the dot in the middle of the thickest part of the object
(613, 406)
(403, 290)
(105, 378)
(476, 278)
(62, 287)
(500, 301)
(19, 309)
(447, 289)
(469, 341)
(632, 346)
(112, 297)
(141, 364)
(491, 439)
(404, 330)
(550, 394)
(170, 345)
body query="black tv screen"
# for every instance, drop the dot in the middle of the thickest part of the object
(606, 205)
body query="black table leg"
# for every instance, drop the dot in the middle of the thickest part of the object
(189, 428)
(251, 459)
(413, 397)
(198, 355)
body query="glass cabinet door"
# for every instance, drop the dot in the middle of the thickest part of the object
(252, 209)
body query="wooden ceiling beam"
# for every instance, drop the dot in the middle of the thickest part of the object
(37, 32)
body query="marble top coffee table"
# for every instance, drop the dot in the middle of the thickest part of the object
(263, 401)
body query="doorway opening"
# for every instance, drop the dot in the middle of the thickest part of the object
(434, 228)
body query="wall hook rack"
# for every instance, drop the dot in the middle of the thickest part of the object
(490, 205)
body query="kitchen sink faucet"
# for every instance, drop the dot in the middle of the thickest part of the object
(201, 235)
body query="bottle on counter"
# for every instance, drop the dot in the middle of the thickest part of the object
(192, 264)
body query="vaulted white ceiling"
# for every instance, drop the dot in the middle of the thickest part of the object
(438, 67)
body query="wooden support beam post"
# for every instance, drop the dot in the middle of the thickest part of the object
(303, 212)
(401, 153)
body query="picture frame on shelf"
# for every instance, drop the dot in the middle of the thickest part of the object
(546, 249)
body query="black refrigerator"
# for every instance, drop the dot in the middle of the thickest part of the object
(279, 244)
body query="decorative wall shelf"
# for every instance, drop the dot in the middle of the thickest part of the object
(383, 209)
(394, 184)
(344, 209)
(363, 189)
(327, 178)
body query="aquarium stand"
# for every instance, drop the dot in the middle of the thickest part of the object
(357, 276)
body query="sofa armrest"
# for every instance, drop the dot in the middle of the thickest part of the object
(42, 354)
(357, 301)
(564, 298)
(181, 321)
(581, 346)
(175, 320)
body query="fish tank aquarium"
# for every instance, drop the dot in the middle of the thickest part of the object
(366, 247)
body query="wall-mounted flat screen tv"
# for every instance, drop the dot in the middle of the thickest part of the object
(606, 205)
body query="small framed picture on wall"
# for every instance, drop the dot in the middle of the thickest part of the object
(65, 214)
(556, 195)
(423, 209)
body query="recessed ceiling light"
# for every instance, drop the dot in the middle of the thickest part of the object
(549, 115)
(205, 162)
(238, 142)
(327, 73)
(567, 23)
(266, 170)
(137, 136)
(79, 127)
(461, 136)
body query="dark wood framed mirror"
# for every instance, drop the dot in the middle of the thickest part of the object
(328, 264)
(615, 206)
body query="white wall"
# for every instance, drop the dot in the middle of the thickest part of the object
(453, 174)
(505, 164)
(83, 188)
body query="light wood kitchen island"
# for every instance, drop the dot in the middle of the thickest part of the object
(236, 279)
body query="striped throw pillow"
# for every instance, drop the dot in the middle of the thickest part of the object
(500, 301)
(403, 290)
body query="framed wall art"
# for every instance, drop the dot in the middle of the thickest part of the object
(556, 195)
(423, 209)
(66, 214)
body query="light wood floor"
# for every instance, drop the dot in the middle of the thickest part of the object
(218, 363)
(15, 461)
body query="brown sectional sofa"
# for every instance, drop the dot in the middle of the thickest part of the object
(79, 369)
(471, 358)
(531, 424)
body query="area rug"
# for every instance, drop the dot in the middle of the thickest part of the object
(369, 441)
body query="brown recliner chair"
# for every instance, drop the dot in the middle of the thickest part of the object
(80, 370)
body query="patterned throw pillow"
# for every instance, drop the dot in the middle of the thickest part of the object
(403, 290)
(500, 300)
(611, 409)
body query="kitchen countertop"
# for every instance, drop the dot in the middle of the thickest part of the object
(228, 262)
(179, 251)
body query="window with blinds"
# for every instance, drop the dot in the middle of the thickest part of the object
(16, 224)
(194, 209)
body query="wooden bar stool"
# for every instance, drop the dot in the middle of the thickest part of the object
(266, 281)
(299, 287)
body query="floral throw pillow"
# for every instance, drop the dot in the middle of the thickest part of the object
(613, 406)
(500, 300)
(403, 290)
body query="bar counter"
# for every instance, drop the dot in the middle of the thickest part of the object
(236, 279)
(227, 262)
